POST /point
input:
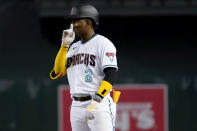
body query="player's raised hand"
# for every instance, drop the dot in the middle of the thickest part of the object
(68, 36)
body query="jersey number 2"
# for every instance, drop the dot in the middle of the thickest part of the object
(88, 76)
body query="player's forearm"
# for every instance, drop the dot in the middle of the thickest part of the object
(110, 75)
(60, 61)
(59, 69)
(106, 85)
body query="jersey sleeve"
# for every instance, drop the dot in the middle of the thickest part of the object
(107, 54)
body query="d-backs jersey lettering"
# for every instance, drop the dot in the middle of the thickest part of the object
(86, 62)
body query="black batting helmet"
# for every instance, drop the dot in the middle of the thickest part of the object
(84, 11)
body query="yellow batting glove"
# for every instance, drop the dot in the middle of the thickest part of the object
(116, 95)
(89, 114)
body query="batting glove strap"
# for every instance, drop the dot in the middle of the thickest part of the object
(97, 98)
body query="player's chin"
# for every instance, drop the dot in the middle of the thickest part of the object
(77, 33)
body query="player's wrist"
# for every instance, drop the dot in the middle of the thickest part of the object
(64, 47)
(98, 98)
(103, 91)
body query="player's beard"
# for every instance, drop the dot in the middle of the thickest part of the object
(77, 38)
(79, 35)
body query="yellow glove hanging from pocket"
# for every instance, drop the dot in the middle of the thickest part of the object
(116, 96)
(59, 69)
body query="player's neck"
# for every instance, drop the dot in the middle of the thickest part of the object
(86, 37)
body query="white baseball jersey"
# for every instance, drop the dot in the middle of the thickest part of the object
(86, 62)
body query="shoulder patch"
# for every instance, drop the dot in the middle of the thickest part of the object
(110, 55)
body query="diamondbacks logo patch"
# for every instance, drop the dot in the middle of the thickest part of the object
(110, 55)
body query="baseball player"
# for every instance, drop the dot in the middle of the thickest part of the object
(91, 67)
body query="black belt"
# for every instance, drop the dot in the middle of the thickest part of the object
(84, 98)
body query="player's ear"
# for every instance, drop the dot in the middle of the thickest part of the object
(89, 22)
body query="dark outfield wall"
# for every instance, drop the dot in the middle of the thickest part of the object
(157, 46)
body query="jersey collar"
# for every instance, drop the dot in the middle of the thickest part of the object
(89, 39)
